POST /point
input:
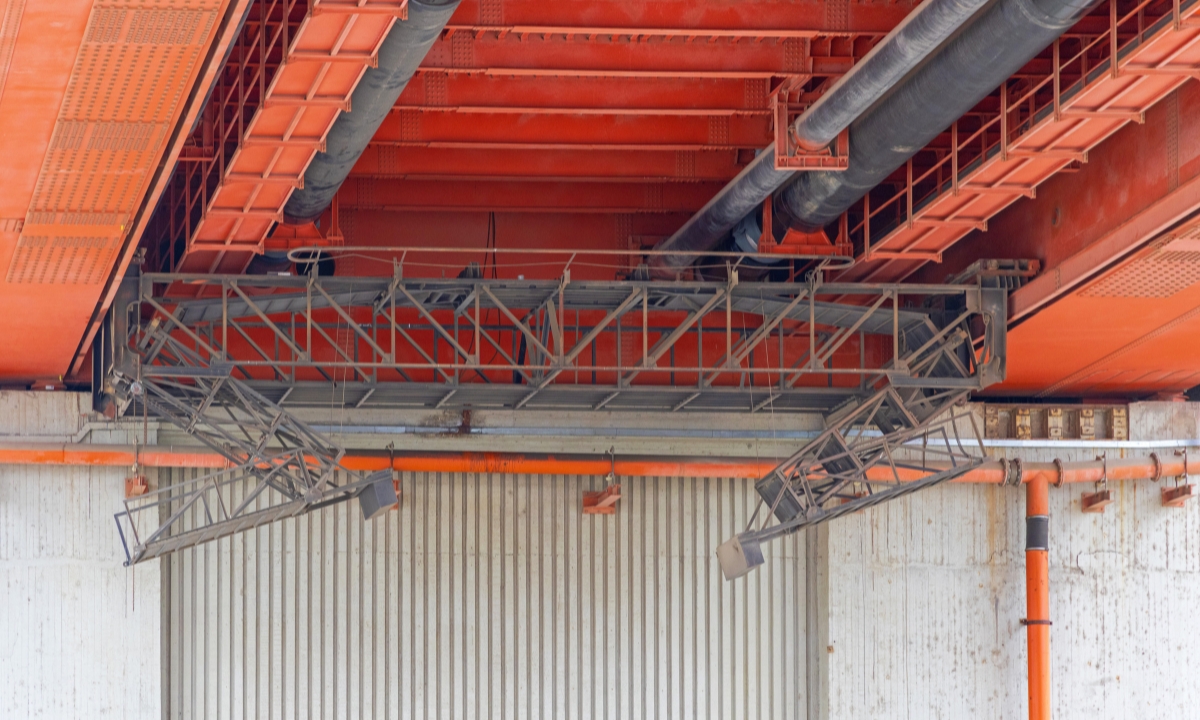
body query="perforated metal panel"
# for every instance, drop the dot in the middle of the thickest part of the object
(133, 69)
(10, 23)
(1170, 267)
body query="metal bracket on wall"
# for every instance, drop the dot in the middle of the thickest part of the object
(1095, 502)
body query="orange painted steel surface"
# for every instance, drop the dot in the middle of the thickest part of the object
(1107, 341)
(308, 60)
(91, 95)
(1038, 127)
(690, 69)
(1115, 310)
(646, 164)
(534, 131)
(442, 92)
(1037, 610)
(394, 194)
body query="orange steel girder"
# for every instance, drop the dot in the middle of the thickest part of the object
(747, 19)
(1115, 312)
(584, 52)
(678, 43)
(507, 163)
(1042, 125)
(320, 61)
(415, 128)
(359, 193)
(478, 93)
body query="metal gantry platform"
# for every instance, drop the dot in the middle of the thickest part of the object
(640, 346)
(223, 357)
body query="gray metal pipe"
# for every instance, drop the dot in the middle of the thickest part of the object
(399, 56)
(992, 47)
(910, 42)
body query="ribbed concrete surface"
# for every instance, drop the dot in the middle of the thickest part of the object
(492, 596)
(79, 634)
(927, 595)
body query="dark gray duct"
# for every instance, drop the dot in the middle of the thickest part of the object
(896, 55)
(399, 56)
(987, 52)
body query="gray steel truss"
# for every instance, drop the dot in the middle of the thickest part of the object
(878, 448)
(219, 356)
(279, 466)
(641, 346)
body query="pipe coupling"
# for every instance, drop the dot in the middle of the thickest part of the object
(1012, 472)
(1037, 532)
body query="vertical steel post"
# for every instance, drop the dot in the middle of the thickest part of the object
(910, 193)
(1057, 82)
(224, 321)
(1112, 37)
(954, 157)
(1037, 593)
(867, 224)
(1004, 120)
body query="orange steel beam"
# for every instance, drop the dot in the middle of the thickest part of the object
(359, 193)
(417, 128)
(686, 165)
(588, 55)
(942, 204)
(636, 33)
(670, 15)
(993, 473)
(325, 56)
(1037, 596)
(462, 92)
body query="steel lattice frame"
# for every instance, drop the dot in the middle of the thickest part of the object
(288, 467)
(893, 443)
(641, 346)
(174, 357)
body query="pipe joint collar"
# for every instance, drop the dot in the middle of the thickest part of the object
(1037, 532)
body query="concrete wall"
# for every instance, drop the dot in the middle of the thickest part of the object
(927, 593)
(79, 634)
(909, 610)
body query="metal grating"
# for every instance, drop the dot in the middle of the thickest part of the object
(1041, 124)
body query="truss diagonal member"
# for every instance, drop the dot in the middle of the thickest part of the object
(353, 325)
(580, 345)
(517, 323)
(266, 320)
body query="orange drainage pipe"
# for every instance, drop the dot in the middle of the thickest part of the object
(1037, 595)
(993, 472)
